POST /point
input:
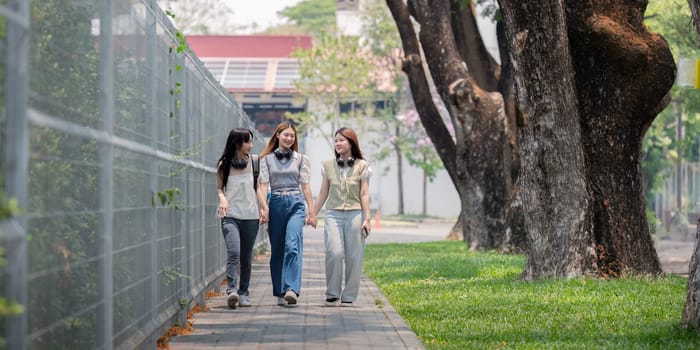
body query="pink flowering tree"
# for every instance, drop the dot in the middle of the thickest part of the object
(419, 150)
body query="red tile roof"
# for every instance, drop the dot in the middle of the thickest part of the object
(247, 46)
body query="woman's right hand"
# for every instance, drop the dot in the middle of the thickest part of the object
(222, 211)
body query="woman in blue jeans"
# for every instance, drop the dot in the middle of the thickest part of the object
(286, 173)
(238, 210)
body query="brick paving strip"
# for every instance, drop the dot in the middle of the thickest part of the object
(371, 323)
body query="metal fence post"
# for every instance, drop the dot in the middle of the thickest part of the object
(181, 127)
(152, 39)
(16, 138)
(106, 175)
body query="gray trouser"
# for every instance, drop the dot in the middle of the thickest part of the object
(239, 236)
(345, 250)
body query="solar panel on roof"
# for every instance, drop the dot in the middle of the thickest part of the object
(241, 74)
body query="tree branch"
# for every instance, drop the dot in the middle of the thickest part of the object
(695, 11)
(481, 65)
(420, 88)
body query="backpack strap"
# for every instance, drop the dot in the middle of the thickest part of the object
(256, 170)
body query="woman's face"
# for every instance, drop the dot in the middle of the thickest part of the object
(286, 138)
(246, 146)
(342, 145)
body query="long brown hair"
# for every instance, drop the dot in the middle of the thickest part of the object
(274, 142)
(354, 143)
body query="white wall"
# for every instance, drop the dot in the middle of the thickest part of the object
(349, 22)
(442, 198)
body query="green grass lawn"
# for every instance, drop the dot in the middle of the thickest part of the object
(456, 299)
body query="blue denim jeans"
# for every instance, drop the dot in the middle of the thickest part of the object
(239, 236)
(287, 216)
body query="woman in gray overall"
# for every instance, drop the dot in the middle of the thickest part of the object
(286, 173)
(238, 210)
(346, 187)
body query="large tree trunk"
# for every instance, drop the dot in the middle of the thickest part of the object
(589, 134)
(479, 121)
(623, 76)
(691, 314)
(552, 183)
(478, 162)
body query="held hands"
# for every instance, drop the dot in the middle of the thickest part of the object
(264, 215)
(311, 220)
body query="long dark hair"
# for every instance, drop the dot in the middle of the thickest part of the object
(235, 139)
(274, 142)
(354, 143)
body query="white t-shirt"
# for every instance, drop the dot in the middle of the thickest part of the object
(241, 197)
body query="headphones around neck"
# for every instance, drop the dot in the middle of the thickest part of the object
(345, 162)
(239, 163)
(283, 154)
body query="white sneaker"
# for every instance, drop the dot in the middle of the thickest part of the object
(290, 297)
(281, 301)
(244, 301)
(232, 300)
(346, 304)
(331, 302)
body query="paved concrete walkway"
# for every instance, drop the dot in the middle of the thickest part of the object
(370, 324)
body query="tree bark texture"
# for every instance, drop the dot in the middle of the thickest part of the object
(623, 74)
(552, 183)
(691, 313)
(695, 12)
(478, 161)
(515, 227)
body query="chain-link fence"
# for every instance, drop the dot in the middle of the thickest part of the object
(111, 130)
